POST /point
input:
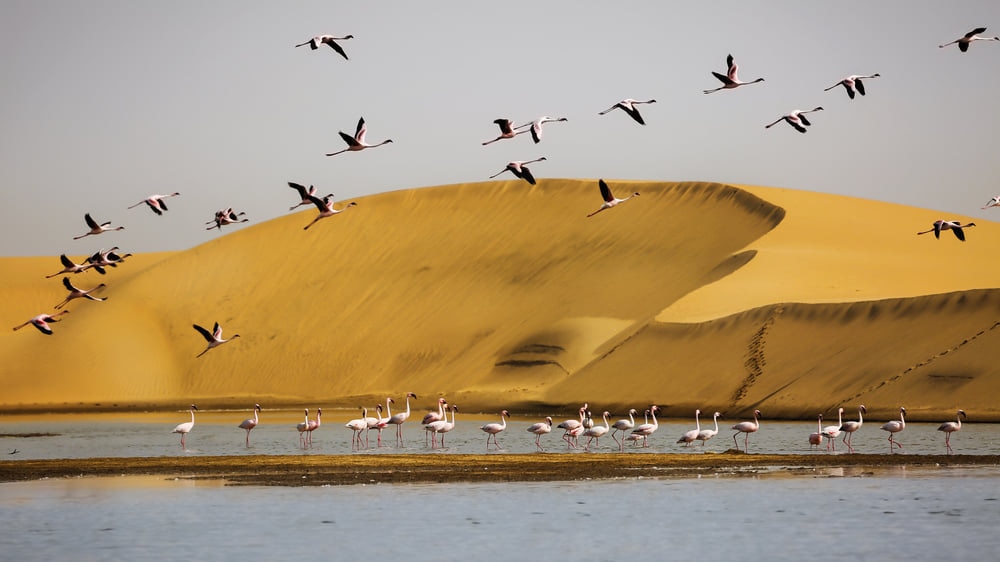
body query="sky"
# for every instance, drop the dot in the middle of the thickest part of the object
(104, 103)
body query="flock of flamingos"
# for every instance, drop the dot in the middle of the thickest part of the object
(437, 423)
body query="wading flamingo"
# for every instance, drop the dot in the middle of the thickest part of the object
(707, 434)
(597, 431)
(797, 119)
(951, 427)
(75, 293)
(312, 426)
(954, 226)
(42, 322)
(623, 426)
(185, 427)
(400, 418)
(357, 426)
(629, 106)
(519, 169)
(689, 436)
(330, 40)
(832, 432)
(95, 228)
(965, 40)
(746, 427)
(251, 423)
(573, 426)
(442, 426)
(302, 427)
(852, 84)
(850, 426)
(357, 142)
(816, 437)
(155, 202)
(647, 429)
(894, 427)
(431, 417)
(609, 199)
(492, 429)
(730, 80)
(214, 338)
(540, 429)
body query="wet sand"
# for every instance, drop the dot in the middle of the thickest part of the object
(286, 470)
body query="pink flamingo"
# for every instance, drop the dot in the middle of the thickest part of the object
(816, 437)
(628, 106)
(507, 130)
(70, 267)
(42, 322)
(730, 80)
(951, 427)
(536, 126)
(850, 426)
(746, 427)
(852, 84)
(431, 417)
(968, 38)
(609, 199)
(540, 429)
(251, 423)
(224, 217)
(518, 168)
(155, 203)
(598, 431)
(954, 226)
(832, 432)
(377, 423)
(102, 259)
(894, 427)
(304, 194)
(706, 434)
(75, 293)
(647, 429)
(357, 426)
(185, 427)
(330, 40)
(357, 142)
(571, 426)
(492, 429)
(325, 206)
(689, 436)
(994, 202)
(214, 338)
(96, 228)
(623, 426)
(312, 426)
(441, 426)
(401, 417)
(302, 427)
(797, 119)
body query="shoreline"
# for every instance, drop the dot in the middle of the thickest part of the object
(335, 470)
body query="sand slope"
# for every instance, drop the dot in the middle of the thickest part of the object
(501, 294)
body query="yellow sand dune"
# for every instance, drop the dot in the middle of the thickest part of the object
(504, 295)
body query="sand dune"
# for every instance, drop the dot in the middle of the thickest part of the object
(504, 295)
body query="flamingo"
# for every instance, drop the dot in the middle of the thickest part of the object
(894, 427)
(954, 226)
(224, 217)
(357, 426)
(746, 427)
(401, 417)
(70, 267)
(325, 206)
(691, 435)
(75, 293)
(312, 426)
(357, 142)
(214, 338)
(519, 169)
(536, 126)
(853, 83)
(302, 429)
(609, 199)
(431, 417)
(251, 423)
(706, 434)
(816, 438)
(442, 426)
(42, 322)
(730, 80)
(540, 429)
(570, 426)
(796, 119)
(850, 426)
(95, 228)
(994, 202)
(507, 130)
(629, 106)
(647, 429)
(155, 202)
(102, 259)
(623, 426)
(304, 193)
(832, 432)
(597, 431)
(492, 429)
(185, 427)
(377, 423)
(965, 40)
(330, 40)
(951, 427)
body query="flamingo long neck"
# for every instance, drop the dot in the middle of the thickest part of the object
(256, 420)
(959, 418)
(819, 424)
(631, 419)
(840, 417)
(503, 422)
(192, 416)
(861, 420)
(902, 419)
(388, 412)
(606, 424)
(697, 424)
(652, 412)
(407, 405)
(319, 414)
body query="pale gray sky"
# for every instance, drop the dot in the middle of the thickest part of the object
(103, 103)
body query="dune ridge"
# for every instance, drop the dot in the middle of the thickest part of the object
(504, 295)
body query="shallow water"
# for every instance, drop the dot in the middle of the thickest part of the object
(894, 514)
(216, 433)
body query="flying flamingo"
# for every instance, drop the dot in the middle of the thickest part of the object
(401, 417)
(251, 423)
(304, 193)
(95, 228)
(519, 169)
(570, 426)
(224, 217)
(894, 427)
(954, 226)
(746, 427)
(357, 426)
(70, 267)
(994, 202)
(730, 80)
(155, 202)
(796, 119)
(609, 199)
(623, 426)
(185, 427)
(832, 432)
(965, 40)
(597, 431)
(540, 429)
(816, 437)
(706, 434)
(853, 83)
(357, 142)
(302, 427)
(330, 40)
(442, 426)
(691, 435)
(102, 259)
(325, 206)
(493, 428)
(75, 293)
(629, 106)
(850, 426)
(42, 322)
(507, 130)
(951, 427)
(214, 338)
(536, 126)
(312, 426)
(647, 429)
